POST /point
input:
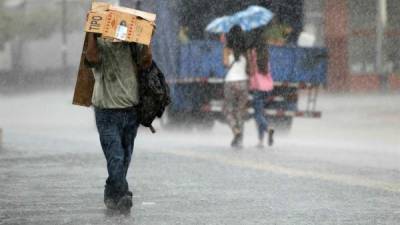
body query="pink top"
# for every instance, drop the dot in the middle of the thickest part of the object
(259, 81)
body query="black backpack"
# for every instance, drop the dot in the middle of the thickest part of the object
(153, 94)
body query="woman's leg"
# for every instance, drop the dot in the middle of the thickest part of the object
(259, 99)
(229, 106)
(242, 107)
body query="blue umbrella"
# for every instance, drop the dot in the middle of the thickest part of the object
(220, 25)
(251, 18)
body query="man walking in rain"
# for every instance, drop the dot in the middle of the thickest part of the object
(115, 97)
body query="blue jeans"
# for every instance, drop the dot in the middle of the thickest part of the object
(259, 102)
(117, 130)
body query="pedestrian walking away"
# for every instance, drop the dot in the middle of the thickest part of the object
(261, 86)
(236, 87)
(115, 98)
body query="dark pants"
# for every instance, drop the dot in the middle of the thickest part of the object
(117, 130)
(259, 100)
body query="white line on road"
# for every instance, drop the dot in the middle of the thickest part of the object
(291, 172)
(148, 203)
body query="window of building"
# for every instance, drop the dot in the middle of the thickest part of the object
(362, 14)
(362, 55)
(392, 38)
(363, 37)
(393, 14)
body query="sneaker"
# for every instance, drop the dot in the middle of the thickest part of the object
(270, 137)
(237, 141)
(125, 204)
(110, 203)
(130, 193)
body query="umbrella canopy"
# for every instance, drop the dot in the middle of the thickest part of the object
(251, 18)
(220, 25)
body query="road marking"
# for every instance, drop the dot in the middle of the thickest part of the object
(291, 172)
(148, 203)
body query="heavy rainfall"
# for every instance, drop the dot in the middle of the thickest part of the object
(317, 143)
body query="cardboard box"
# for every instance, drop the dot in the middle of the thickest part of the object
(120, 23)
(105, 19)
(84, 82)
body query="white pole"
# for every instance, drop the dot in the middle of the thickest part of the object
(380, 36)
(1, 137)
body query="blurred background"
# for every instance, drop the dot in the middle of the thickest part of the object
(41, 40)
(336, 157)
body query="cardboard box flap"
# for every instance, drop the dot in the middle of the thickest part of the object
(145, 15)
(100, 6)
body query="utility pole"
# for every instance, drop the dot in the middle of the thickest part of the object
(18, 45)
(381, 20)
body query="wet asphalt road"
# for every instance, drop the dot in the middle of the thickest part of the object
(341, 169)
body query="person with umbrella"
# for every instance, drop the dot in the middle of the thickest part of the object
(236, 87)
